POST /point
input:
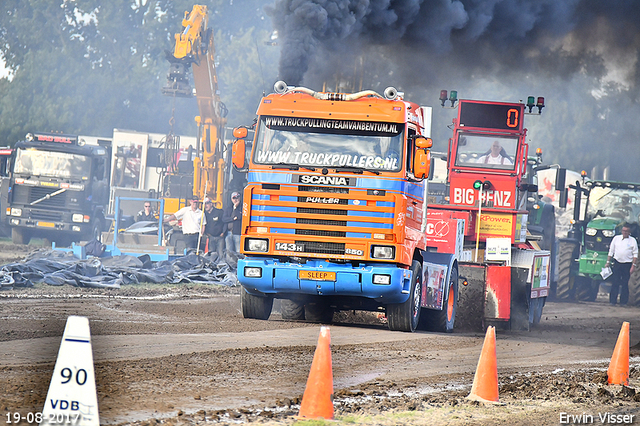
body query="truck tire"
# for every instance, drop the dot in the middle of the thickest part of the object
(634, 288)
(318, 311)
(566, 278)
(255, 306)
(406, 316)
(96, 230)
(20, 236)
(291, 310)
(443, 320)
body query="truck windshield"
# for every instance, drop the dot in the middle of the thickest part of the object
(52, 164)
(615, 202)
(486, 151)
(311, 142)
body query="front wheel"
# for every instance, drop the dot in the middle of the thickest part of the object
(20, 236)
(586, 289)
(96, 230)
(405, 316)
(634, 288)
(256, 306)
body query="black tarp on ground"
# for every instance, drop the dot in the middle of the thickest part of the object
(58, 268)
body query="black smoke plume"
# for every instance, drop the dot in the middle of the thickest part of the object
(582, 55)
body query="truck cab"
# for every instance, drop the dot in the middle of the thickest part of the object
(334, 211)
(505, 271)
(58, 190)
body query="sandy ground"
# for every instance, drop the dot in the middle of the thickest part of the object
(184, 355)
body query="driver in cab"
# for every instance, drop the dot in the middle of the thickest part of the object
(495, 155)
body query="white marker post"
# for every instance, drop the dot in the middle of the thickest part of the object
(72, 398)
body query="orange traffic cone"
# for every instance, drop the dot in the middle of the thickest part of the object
(317, 401)
(618, 370)
(485, 382)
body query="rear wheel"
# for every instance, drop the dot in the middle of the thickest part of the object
(566, 277)
(291, 310)
(318, 311)
(405, 316)
(20, 236)
(256, 306)
(443, 320)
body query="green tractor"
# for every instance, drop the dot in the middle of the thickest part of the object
(583, 253)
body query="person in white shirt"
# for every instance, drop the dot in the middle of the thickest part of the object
(624, 253)
(192, 221)
(496, 155)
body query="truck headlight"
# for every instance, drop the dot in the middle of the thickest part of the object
(16, 211)
(253, 244)
(383, 252)
(77, 217)
(591, 231)
(381, 279)
(252, 272)
(608, 233)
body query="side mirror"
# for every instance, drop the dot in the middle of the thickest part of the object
(238, 153)
(528, 187)
(423, 143)
(240, 132)
(421, 163)
(561, 179)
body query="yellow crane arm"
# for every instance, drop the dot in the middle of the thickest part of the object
(194, 46)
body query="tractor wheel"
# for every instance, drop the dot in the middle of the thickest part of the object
(291, 310)
(256, 306)
(634, 288)
(586, 289)
(566, 258)
(405, 316)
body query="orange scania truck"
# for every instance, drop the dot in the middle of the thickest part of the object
(334, 213)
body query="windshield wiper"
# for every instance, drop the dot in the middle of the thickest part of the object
(46, 197)
(356, 170)
(291, 167)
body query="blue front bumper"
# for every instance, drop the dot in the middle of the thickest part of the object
(283, 277)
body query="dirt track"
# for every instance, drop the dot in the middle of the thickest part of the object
(181, 354)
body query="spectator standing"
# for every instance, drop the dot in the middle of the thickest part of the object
(623, 258)
(214, 228)
(192, 220)
(233, 218)
(146, 214)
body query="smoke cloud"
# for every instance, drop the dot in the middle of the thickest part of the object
(582, 55)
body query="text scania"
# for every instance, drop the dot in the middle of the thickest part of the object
(325, 180)
(326, 159)
(467, 196)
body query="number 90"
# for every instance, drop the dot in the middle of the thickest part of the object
(67, 375)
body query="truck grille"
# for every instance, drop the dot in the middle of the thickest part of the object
(322, 247)
(333, 220)
(28, 194)
(47, 215)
